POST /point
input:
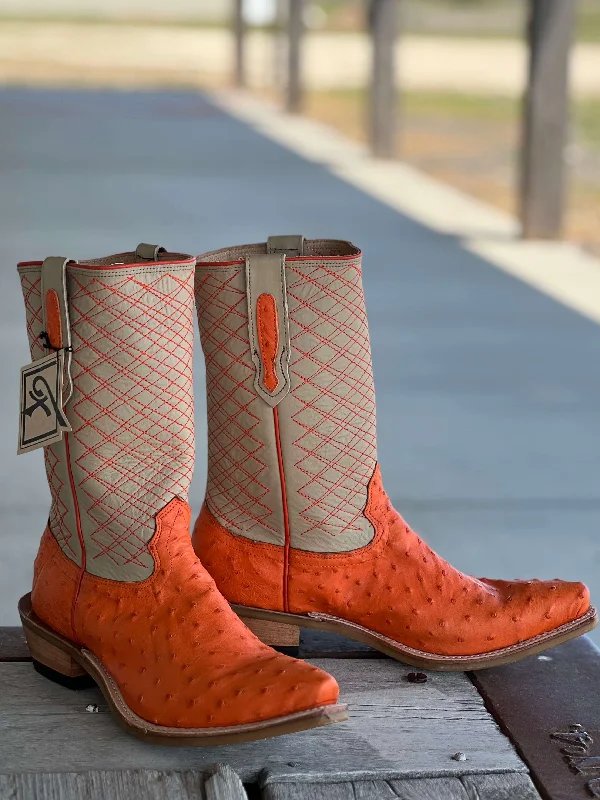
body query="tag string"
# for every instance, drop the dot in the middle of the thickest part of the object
(48, 346)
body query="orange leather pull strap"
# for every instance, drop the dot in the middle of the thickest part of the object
(268, 338)
(53, 320)
(268, 326)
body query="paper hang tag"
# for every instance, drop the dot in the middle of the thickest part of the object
(41, 417)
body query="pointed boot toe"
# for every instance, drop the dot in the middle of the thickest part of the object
(539, 607)
(278, 686)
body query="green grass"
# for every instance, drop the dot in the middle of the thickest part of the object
(462, 106)
(475, 108)
(587, 121)
(588, 24)
(471, 107)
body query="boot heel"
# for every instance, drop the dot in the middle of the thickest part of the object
(54, 664)
(275, 634)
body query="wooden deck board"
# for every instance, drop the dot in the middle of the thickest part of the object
(550, 705)
(510, 786)
(396, 730)
(220, 783)
(97, 785)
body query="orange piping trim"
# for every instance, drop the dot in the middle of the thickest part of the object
(286, 519)
(53, 319)
(79, 532)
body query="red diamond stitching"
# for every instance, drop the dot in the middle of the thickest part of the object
(58, 509)
(235, 489)
(133, 403)
(331, 362)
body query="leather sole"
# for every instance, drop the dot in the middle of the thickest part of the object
(60, 659)
(259, 620)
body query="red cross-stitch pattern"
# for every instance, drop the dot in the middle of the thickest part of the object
(334, 399)
(59, 492)
(236, 489)
(31, 285)
(132, 408)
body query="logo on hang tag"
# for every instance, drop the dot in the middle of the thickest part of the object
(41, 419)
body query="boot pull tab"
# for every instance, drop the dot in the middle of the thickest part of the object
(149, 252)
(290, 246)
(268, 326)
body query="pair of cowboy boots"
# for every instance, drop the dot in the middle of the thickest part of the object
(296, 529)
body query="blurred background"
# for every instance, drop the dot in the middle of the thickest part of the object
(461, 65)
(488, 391)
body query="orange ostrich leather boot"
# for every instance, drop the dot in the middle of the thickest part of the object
(118, 593)
(296, 527)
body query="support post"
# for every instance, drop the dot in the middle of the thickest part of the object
(294, 93)
(239, 33)
(545, 118)
(279, 81)
(383, 100)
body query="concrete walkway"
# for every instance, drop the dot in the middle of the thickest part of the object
(488, 390)
(55, 52)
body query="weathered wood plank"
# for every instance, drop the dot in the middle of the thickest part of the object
(308, 791)
(224, 784)
(545, 119)
(540, 702)
(396, 729)
(13, 646)
(426, 789)
(382, 790)
(105, 785)
(510, 786)
(220, 783)
(507, 786)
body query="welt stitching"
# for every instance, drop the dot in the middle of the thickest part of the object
(298, 266)
(155, 269)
